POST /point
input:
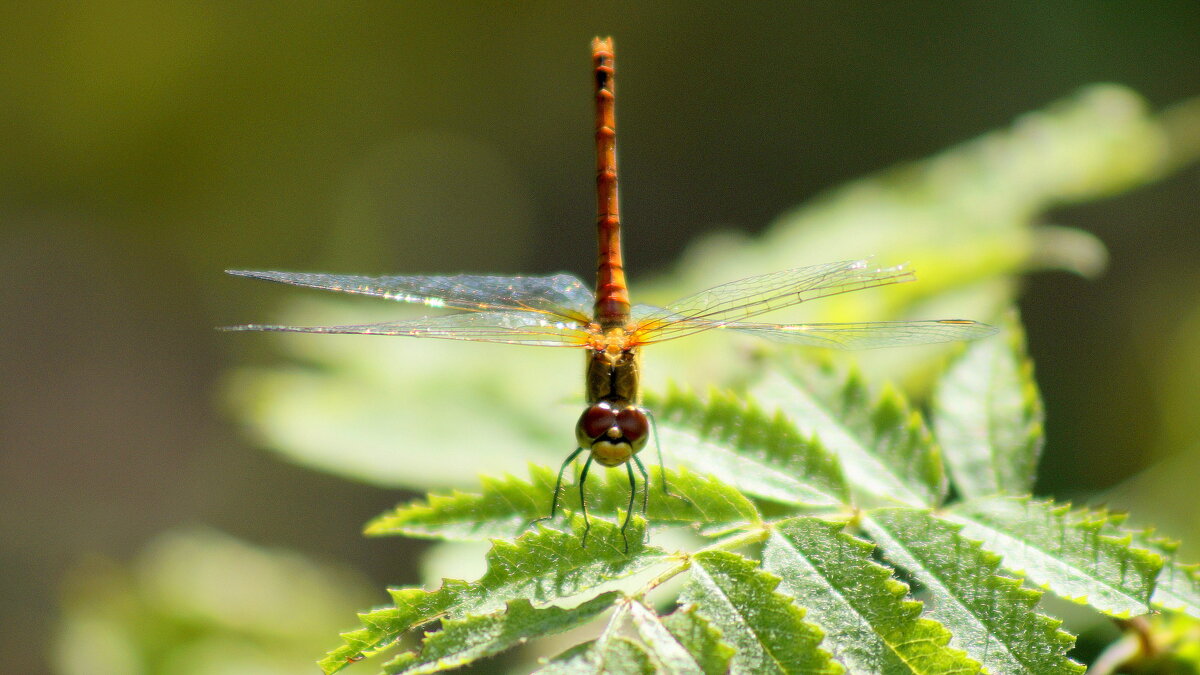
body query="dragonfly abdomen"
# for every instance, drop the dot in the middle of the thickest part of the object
(612, 294)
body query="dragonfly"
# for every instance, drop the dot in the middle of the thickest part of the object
(560, 310)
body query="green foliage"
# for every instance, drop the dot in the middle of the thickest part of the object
(507, 506)
(992, 616)
(465, 640)
(1178, 586)
(990, 427)
(683, 641)
(779, 585)
(871, 627)
(762, 455)
(541, 565)
(887, 452)
(806, 494)
(766, 629)
(1080, 555)
(611, 655)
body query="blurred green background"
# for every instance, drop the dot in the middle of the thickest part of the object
(147, 146)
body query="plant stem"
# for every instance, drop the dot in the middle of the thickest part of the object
(685, 559)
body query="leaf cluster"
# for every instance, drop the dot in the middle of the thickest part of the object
(845, 531)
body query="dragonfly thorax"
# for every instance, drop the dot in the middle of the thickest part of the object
(613, 431)
(612, 341)
(613, 375)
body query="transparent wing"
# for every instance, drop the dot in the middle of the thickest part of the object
(525, 328)
(560, 295)
(739, 300)
(867, 335)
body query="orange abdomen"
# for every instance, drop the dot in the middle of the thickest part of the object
(612, 294)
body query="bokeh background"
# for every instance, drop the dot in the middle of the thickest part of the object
(146, 146)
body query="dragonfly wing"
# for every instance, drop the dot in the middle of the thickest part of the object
(526, 328)
(740, 300)
(558, 294)
(867, 335)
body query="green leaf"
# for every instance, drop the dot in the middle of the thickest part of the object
(682, 642)
(884, 447)
(988, 417)
(508, 505)
(869, 625)
(599, 657)
(1178, 589)
(374, 410)
(992, 616)
(767, 630)
(1080, 555)
(462, 641)
(541, 565)
(760, 455)
(701, 638)
(1178, 585)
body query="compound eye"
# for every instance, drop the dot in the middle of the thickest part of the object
(633, 424)
(597, 420)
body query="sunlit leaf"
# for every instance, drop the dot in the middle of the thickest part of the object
(966, 213)
(884, 447)
(1178, 585)
(506, 506)
(756, 453)
(870, 626)
(988, 417)
(600, 657)
(768, 631)
(966, 219)
(1080, 555)
(682, 642)
(374, 408)
(992, 616)
(542, 565)
(462, 641)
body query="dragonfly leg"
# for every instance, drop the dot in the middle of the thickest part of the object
(632, 495)
(587, 524)
(558, 486)
(645, 495)
(662, 469)
(645, 485)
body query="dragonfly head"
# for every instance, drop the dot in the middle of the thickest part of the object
(614, 431)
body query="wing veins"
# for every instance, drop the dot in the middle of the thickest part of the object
(868, 335)
(659, 326)
(559, 295)
(508, 327)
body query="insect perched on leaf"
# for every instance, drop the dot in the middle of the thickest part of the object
(560, 311)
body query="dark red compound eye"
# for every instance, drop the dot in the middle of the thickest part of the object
(633, 424)
(597, 420)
